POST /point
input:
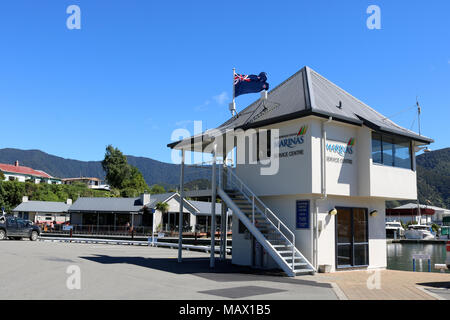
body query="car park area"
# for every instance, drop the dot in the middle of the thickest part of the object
(46, 270)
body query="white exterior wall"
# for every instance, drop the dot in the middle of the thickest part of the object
(23, 178)
(376, 225)
(174, 206)
(351, 181)
(17, 177)
(242, 245)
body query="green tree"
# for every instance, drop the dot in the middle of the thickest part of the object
(116, 167)
(135, 181)
(2, 176)
(157, 189)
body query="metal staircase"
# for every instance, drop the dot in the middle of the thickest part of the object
(273, 235)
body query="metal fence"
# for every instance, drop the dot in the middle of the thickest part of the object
(110, 230)
(100, 230)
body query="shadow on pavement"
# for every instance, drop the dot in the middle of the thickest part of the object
(441, 284)
(224, 271)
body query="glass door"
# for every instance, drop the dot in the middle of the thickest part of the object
(352, 237)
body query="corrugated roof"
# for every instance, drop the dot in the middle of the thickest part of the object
(308, 93)
(23, 170)
(103, 204)
(422, 206)
(107, 205)
(42, 206)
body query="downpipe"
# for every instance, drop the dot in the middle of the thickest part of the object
(323, 191)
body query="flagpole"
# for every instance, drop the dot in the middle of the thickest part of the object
(233, 104)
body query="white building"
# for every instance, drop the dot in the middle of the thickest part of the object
(90, 182)
(313, 169)
(43, 212)
(409, 213)
(20, 173)
(140, 211)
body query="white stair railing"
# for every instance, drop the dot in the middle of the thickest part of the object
(234, 182)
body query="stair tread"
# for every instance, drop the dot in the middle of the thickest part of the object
(284, 248)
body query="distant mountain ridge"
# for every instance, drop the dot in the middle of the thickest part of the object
(433, 171)
(433, 177)
(154, 172)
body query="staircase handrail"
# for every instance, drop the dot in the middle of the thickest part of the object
(280, 223)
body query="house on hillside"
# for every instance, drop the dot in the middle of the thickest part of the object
(43, 212)
(90, 182)
(20, 173)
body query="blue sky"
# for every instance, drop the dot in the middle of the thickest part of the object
(137, 70)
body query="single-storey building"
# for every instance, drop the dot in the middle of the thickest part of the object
(312, 167)
(20, 173)
(409, 213)
(203, 215)
(116, 213)
(43, 212)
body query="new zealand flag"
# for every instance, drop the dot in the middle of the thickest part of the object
(250, 83)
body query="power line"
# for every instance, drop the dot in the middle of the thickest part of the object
(396, 114)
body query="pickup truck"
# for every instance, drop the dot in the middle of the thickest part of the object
(15, 228)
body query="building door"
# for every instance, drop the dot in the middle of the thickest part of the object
(352, 240)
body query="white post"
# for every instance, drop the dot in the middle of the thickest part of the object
(213, 208)
(180, 219)
(153, 227)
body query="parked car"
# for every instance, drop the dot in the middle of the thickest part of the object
(12, 227)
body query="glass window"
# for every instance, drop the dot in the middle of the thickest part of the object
(402, 153)
(388, 151)
(344, 226)
(391, 150)
(360, 225)
(376, 148)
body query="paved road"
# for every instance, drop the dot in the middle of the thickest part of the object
(37, 270)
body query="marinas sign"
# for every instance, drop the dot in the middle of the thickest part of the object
(343, 150)
(340, 149)
(294, 139)
(290, 141)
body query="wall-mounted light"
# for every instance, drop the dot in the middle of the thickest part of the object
(332, 212)
(373, 213)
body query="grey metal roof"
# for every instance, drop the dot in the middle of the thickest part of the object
(307, 93)
(204, 208)
(42, 206)
(124, 204)
(422, 206)
(107, 205)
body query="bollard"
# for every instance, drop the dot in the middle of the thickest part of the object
(429, 265)
(414, 265)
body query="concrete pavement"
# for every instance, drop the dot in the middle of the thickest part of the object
(38, 270)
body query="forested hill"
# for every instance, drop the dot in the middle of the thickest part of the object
(433, 171)
(154, 172)
(433, 177)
